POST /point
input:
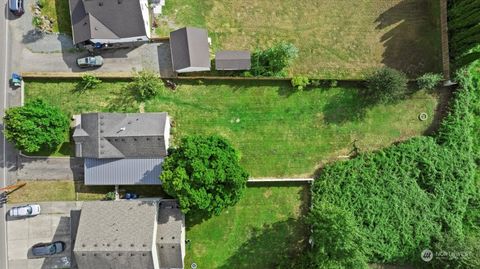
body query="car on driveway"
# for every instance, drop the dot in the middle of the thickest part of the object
(48, 249)
(24, 211)
(90, 61)
(16, 7)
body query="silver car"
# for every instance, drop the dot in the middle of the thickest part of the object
(47, 249)
(24, 211)
(90, 61)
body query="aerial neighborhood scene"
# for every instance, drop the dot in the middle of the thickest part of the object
(256, 134)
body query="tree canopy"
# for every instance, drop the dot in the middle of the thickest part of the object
(204, 174)
(386, 85)
(35, 126)
(272, 62)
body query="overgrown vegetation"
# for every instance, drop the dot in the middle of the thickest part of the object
(204, 174)
(273, 61)
(146, 85)
(464, 31)
(386, 85)
(407, 197)
(88, 82)
(429, 81)
(35, 126)
(300, 82)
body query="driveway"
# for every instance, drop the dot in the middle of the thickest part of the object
(51, 225)
(39, 52)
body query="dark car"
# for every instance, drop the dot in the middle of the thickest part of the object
(47, 249)
(16, 7)
(90, 61)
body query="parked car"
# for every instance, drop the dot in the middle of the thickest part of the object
(47, 249)
(24, 211)
(90, 61)
(16, 7)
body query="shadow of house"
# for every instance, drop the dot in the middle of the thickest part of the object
(412, 43)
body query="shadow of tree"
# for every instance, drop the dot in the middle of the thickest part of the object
(413, 42)
(347, 105)
(125, 101)
(271, 246)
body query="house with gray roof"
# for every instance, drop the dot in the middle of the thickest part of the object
(109, 21)
(189, 49)
(122, 148)
(135, 234)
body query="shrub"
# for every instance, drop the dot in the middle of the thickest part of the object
(300, 82)
(204, 174)
(88, 82)
(35, 126)
(110, 195)
(386, 85)
(37, 22)
(429, 81)
(273, 61)
(146, 85)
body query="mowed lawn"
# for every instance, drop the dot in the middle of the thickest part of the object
(336, 38)
(263, 229)
(278, 131)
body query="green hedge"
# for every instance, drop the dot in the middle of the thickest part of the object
(464, 30)
(410, 196)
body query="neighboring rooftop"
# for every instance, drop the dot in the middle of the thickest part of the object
(232, 60)
(107, 19)
(131, 171)
(124, 234)
(190, 50)
(122, 135)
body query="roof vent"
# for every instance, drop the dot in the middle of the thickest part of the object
(100, 4)
(122, 129)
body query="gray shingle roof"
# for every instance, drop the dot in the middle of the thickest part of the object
(132, 171)
(189, 47)
(110, 231)
(106, 19)
(122, 234)
(122, 135)
(232, 60)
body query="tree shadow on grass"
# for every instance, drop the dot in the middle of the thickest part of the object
(125, 101)
(348, 105)
(271, 246)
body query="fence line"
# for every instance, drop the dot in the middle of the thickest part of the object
(279, 180)
(444, 36)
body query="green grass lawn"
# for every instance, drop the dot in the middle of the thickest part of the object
(336, 39)
(264, 228)
(58, 10)
(278, 131)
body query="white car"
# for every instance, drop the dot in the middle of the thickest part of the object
(24, 211)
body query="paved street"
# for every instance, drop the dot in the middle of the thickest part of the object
(53, 224)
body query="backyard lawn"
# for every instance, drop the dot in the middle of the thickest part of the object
(336, 39)
(279, 132)
(263, 229)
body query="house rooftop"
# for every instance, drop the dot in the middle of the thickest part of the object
(106, 19)
(122, 135)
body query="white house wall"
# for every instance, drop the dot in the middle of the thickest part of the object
(121, 40)
(192, 69)
(146, 16)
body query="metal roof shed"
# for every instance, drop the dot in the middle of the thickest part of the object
(233, 60)
(190, 50)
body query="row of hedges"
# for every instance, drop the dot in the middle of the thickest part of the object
(464, 31)
(389, 205)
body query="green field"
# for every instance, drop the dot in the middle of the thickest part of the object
(263, 229)
(278, 131)
(336, 39)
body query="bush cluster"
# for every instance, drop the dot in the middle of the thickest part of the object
(386, 85)
(272, 62)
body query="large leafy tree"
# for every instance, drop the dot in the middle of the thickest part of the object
(204, 174)
(36, 125)
(386, 85)
(273, 61)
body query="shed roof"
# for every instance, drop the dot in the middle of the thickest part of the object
(189, 47)
(232, 60)
(106, 19)
(122, 135)
(132, 171)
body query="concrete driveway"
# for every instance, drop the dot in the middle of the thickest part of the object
(51, 225)
(39, 52)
